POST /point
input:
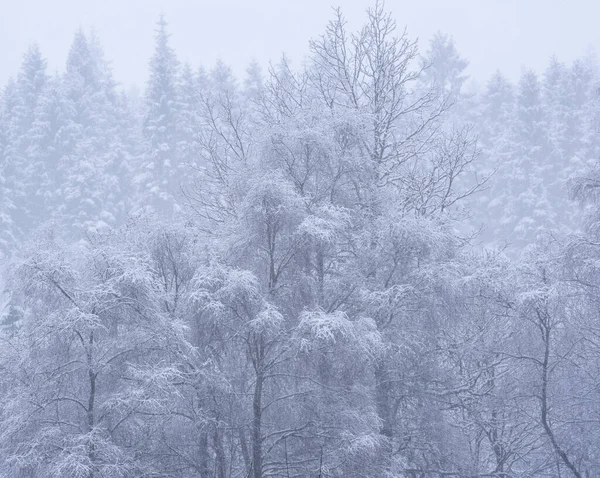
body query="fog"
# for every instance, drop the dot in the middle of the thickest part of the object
(491, 34)
(281, 240)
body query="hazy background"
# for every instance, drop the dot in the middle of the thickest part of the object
(491, 34)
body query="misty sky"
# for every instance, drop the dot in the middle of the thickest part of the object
(491, 34)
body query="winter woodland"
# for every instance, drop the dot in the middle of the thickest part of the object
(356, 266)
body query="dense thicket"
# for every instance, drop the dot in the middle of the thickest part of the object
(284, 277)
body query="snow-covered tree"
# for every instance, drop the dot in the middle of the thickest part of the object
(444, 67)
(158, 177)
(94, 166)
(7, 236)
(95, 352)
(306, 296)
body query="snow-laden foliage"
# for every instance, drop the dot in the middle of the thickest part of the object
(281, 275)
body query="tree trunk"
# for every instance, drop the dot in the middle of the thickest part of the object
(204, 457)
(91, 400)
(245, 452)
(546, 332)
(221, 465)
(384, 409)
(257, 426)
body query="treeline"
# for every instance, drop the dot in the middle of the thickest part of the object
(279, 277)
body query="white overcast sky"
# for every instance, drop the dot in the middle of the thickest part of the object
(491, 34)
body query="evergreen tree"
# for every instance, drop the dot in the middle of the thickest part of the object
(158, 178)
(444, 66)
(91, 164)
(498, 102)
(8, 231)
(529, 210)
(253, 82)
(189, 123)
(559, 102)
(46, 145)
(497, 109)
(31, 83)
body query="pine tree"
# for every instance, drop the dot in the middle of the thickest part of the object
(158, 178)
(444, 66)
(559, 105)
(531, 211)
(31, 83)
(91, 161)
(565, 92)
(8, 231)
(497, 100)
(253, 82)
(495, 127)
(189, 123)
(46, 146)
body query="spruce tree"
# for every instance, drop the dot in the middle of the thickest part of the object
(158, 177)
(7, 207)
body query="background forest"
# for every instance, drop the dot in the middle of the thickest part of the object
(353, 267)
